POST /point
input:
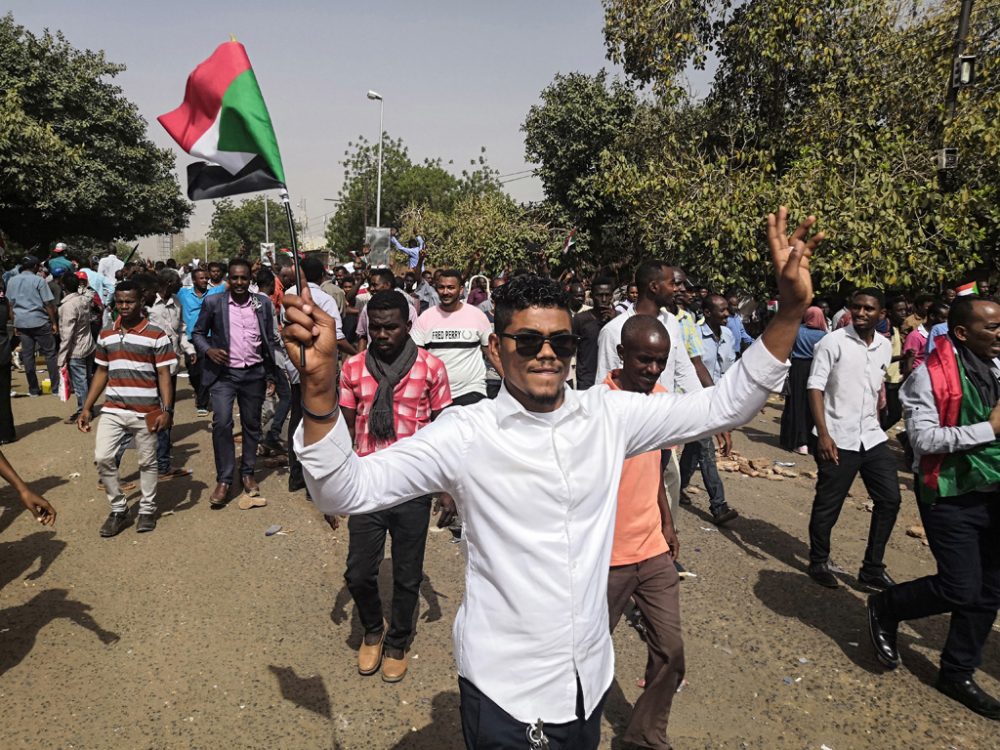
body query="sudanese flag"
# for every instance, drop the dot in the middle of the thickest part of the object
(224, 121)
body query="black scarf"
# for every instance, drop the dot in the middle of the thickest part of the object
(381, 419)
(979, 371)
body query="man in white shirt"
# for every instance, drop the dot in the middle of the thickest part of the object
(109, 265)
(844, 383)
(531, 637)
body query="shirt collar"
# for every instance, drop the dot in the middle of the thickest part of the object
(854, 335)
(138, 329)
(508, 407)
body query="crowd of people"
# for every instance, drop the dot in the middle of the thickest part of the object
(395, 396)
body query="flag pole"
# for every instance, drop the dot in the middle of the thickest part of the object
(299, 279)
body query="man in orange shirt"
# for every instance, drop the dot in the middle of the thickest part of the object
(645, 544)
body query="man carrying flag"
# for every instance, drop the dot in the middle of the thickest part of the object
(952, 408)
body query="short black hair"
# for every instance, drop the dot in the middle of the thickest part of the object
(171, 263)
(313, 269)
(70, 282)
(962, 310)
(602, 281)
(648, 272)
(215, 264)
(390, 300)
(939, 306)
(339, 268)
(522, 292)
(383, 273)
(265, 278)
(128, 286)
(870, 291)
(199, 269)
(452, 273)
(235, 262)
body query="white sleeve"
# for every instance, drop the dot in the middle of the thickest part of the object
(664, 419)
(822, 364)
(685, 376)
(607, 352)
(341, 482)
(923, 424)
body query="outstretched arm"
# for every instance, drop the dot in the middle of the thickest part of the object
(44, 513)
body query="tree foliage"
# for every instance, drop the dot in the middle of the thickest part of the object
(238, 228)
(831, 107)
(196, 249)
(404, 183)
(75, 160)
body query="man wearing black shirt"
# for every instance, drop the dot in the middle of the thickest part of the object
(587, 325)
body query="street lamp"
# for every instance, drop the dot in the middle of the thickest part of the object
(374, 95)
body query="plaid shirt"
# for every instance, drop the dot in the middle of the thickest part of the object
(422, 391)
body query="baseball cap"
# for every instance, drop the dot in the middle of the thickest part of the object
(59, 247)
(29, 260)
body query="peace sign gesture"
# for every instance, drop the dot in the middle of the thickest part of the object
(790, 256)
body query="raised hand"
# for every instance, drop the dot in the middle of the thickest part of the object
(790, 256)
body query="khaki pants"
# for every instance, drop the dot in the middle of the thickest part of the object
(654, 584)
(672, 484)
(110, 429)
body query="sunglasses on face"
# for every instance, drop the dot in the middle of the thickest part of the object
(530, 344)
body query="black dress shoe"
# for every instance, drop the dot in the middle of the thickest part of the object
(295, 486)
(724, 515)
(883, 634)
(879, 580)
(114, 524)
(146, 522)
(970, 695)
(820, 572)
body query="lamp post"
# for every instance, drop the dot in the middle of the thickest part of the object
(374, 95)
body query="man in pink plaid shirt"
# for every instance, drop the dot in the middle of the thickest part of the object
(387, 393)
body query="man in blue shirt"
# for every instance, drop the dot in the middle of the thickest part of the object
(35, 321)
(735, 321)
(191, 299)
(413, 254)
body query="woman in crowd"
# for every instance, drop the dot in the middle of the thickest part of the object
(796, 419)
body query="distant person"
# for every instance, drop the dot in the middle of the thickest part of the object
(35, 321)
(109, 266)
(76, 341)
(58, 260)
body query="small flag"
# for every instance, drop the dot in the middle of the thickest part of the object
(966, 289)
(224, 121)
(570, 241)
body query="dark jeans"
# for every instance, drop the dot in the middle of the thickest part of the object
(44, 341)
(81, 372)
(702, 452)
(246, 387)
(879, 473)
(486, 726)
(407, 525)
(7, 432)
(195, 374)
(164, 440)
(283, 390)
(295, 478)
(964, 536)
(655, 586)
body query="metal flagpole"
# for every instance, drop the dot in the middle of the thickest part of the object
(299, 279)
(266, 230)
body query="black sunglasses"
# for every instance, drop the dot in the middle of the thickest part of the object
(529, 344)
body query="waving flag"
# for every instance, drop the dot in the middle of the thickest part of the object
(224, 121)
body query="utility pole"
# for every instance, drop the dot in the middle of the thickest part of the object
(953, 82)
(947, 157)
(267, 237)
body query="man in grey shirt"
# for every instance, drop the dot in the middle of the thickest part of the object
(35, 320)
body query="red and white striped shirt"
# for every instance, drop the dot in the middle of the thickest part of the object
(132, 356)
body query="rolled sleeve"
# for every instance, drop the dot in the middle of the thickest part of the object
(822, 364)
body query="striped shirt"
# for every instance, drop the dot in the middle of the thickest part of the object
(132, 356)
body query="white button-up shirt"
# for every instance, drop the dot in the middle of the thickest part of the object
(678, 376)
(850, 373)
(538, 494)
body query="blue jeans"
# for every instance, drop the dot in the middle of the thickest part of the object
(283, 389)
(42, 339)
(703, 452)
(81, 371)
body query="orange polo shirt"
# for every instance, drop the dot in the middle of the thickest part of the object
(638, 524)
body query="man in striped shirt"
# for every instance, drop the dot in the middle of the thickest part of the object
(133, 359)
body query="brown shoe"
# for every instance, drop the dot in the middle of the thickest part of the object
(370, 656)
(219, 497)
(251, 487)
(393, 669)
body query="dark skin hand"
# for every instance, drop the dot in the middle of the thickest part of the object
(37, 505)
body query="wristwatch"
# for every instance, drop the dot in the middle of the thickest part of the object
(168, 409)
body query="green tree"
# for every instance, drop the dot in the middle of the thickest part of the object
(196, 249)
(75, 160)
(238, 228)
(404, 183)
(579, 118)
(831, 107)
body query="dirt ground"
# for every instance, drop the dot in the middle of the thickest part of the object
(207, 634)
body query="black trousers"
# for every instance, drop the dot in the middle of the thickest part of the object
(295, 478)
(407, 526)
(879, 473)
(964, 536)
(486, 726)
(7, 432)
(893, 411)
(245, 387)
(195, 372)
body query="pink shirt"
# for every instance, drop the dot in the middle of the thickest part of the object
(916, 341)
(244, 334)
(422, 391)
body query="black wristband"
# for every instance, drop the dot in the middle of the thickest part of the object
(318, 417)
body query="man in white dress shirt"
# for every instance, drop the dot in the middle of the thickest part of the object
(844, 383)
(531, 637)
